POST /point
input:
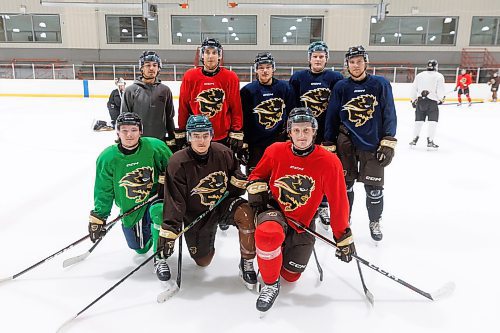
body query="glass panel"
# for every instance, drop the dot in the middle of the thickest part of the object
(2, 28)
(484, 31)
(296, 30)
(239, 29)
(413, 30)
(19, 28)
(442, 31)
(131, 29)
(47, 28)
(384, 32)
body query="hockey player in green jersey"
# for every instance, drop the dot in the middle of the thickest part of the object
(128, 174)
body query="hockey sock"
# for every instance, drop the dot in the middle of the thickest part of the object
(432, 130)
(374, 202)
(468, 98)
(459, 98)
(289, 276)
(156, 213)
(269, 237)
(417, 128)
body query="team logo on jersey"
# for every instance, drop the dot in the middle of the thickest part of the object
(270, 112)
(210, 101)
(211, 188)
(138, 183)
(361, 109)
(316, 100)
(294, 190)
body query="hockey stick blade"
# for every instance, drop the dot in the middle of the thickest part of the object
(6, 279)
(167, 294)
(61, 328)
(71, 261)
(444, 291)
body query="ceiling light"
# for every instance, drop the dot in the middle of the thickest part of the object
(374, 20)
(230, 28)
(233, 34)
(382, 39)
(292, 28)
(236, 38)
(285, 39)
(299, 20)
(179, 34)
(485, 28)
(396, 34)
(124, 30)
(420, 28)
(448, 20)
(138, 35)
(7, 17)
(43, 35)
(224, 20)
(452, 32)
(288, 33)
(188, 40)
(42, 25)
(433, 38)
(16, 30)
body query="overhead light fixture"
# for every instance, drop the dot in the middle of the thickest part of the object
(419, 28)
(433, 38)
(292, 28)
(233, 34)
(42, 25)
(224, 20)
(448, 20)
(374, 20)
(43, 35)
(7, 17)
(16, 30)
(236, 38)
(285, 39)
(124, 31)
(230, 28)
(179, 34)
(138, 35)
(382, 39)
(288, 34)
(485, 28)
(188, 40)
(452, 32)
(299, 20)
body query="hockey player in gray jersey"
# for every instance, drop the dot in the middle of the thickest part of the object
(426, 94)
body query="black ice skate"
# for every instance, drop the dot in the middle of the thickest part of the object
(267, 296)
(247, 273)
(375, 231)
(162, 270)
(223, 227)
(324, 217)
(414, 142)
(431, 145)
(101, 126)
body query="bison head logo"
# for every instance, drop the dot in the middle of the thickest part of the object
(294, 190)
(211, 188)
(361, 109)
(270, 112)
(210, 101)
(316, 100)
(138, 183)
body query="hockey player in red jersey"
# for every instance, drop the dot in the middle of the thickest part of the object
(213, 91)
(464, 80)
(289, 182)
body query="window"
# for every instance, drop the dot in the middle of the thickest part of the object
(296, 30)
(190, 29)
(30, 28)
(413, 30)
(485, 31)
(131, 30)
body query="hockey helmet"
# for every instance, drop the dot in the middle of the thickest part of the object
(120, 81)
(128, 118)
(495, 74)
(318, 46)
(301, 115)
(198, 123)
(149, 56)
(210, 43)
(264, 58)
(432, 65)
(355, 51)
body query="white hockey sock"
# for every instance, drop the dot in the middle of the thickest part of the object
(432, 130)
(417, 128)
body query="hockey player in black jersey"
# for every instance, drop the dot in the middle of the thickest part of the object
(266, 103)
(361, 124)
(312, 88)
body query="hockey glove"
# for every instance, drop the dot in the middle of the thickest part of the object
(329, 146)
(180, 139)
(345, 246)
(97, 228)
(170, 141)
(243, 155)
(258, 195)
(414, 103)
(235, 141)
(385, 151)
(456, 88)
(166, 241)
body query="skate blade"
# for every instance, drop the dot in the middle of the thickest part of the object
(262, 314)
(375, 242)
(250, 286)
(167, 294)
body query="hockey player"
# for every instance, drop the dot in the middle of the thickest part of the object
(291, 179)
(427, 93)
(152, 100)
(197, 177)
(494, 82)
(129, 173)
(361, 125)
(312, 88)
(115, 100)
(266, 103)
(213, 91)
(464, 80)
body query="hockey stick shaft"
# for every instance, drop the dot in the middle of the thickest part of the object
(179, 264)
(364, 262)
(320, 270)
(445, 104)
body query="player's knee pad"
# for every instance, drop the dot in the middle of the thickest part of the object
(243, 218)
(205, 260)
(374, 192)
(289, 276)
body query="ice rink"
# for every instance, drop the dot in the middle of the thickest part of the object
(440, 224)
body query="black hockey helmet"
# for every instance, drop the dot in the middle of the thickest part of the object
(128, 118)
(318, 46)
(355, 51)
(264, 58)
(432, 65)
(210, 42)
(301, 115)
(199, 123)
(149, 56)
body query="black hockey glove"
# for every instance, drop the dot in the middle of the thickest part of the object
(161, 186)
(329, 146)
(385, 151)
(258, 195)
(180, 139)
(97, 227)
(166, 241)
(345, 246)
(414, 103)
(170, 141)
(243, 155)
(235, 141)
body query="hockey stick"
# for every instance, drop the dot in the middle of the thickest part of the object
(320, 270)
(73, 260)
(476, 102)
(444, 291)
(368, 293)
(172, 290)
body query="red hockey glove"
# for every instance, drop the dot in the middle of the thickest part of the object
(385, 151)
(345, 246)
(97, 226)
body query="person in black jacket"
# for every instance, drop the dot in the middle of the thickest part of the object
(115, 100)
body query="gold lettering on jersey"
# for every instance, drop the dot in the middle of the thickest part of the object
(316, 100)
(360, 109)
(270, 112)
(294, 190)
(211, 188)
(210, 101)
(138, 183)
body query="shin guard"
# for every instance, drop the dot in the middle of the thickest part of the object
(243, 218)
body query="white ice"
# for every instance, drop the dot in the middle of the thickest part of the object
(439, 226)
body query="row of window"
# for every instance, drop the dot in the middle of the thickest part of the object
(242, 29)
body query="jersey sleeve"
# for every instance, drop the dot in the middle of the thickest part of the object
(184, 97)
(440, 90)
(389, 121)
(295, 85)
(246, 106)
(332, 122)
(127, 101)
(104, 194)
(336, 194)
(169, 114)
(175, 197)
(235, 104)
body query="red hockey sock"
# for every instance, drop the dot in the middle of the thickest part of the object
(289, 276)
(269, 237)
(459, 98)
(468, 98)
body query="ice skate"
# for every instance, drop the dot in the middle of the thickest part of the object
(223, 227)
(431, 145)
(267, 296)
(375, 231)
(324, 217)
(247, 273)
(459, 104)
(161, 269)
(470, 104)
(413, 143)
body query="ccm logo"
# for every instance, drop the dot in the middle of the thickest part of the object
(294, 264)
(375, 179)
